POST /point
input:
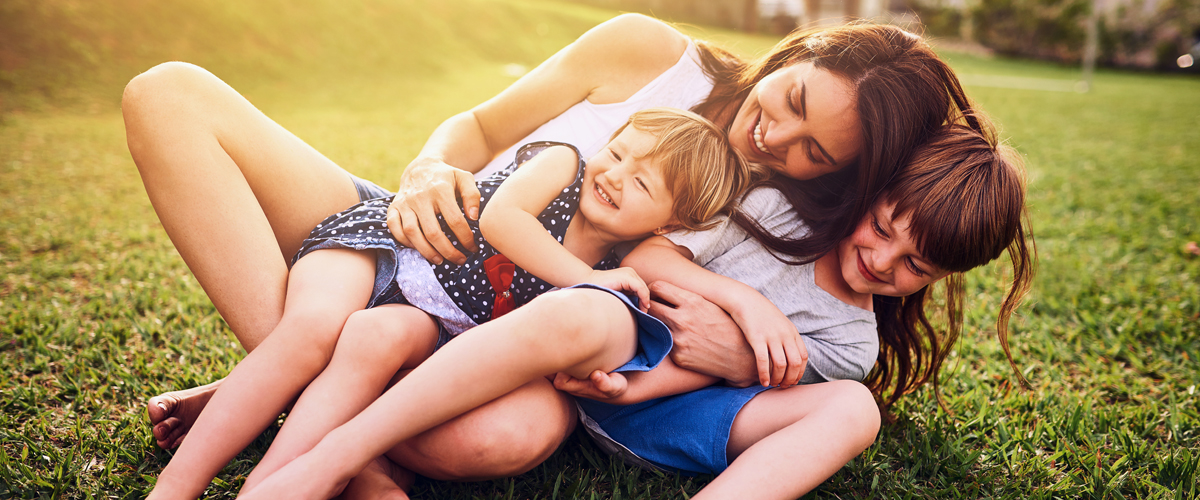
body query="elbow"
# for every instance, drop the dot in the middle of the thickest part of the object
(491, 224)
(638, 258)
(651, 252)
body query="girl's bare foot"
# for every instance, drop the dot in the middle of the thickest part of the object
(382, 480)
(173, 413)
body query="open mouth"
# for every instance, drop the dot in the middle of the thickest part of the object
(603, 195)
(757, 135)
(862, 269)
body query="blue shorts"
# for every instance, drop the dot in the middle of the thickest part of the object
(686, 433)
(368, 190)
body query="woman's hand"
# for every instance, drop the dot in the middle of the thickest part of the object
(623, 279)
(599, 386)
(707, 340)
(429, 188)
(778, 351)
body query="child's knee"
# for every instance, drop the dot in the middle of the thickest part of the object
(582, 316)
(382, 332)
(316, 328)
(860, 413)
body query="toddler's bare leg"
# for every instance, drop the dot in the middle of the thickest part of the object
(324, 289)
(788, 441)
(574, 331)
(236, 193)
(374, 344)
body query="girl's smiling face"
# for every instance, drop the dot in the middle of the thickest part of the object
(880, 257)
(624, 191)
(800, 121)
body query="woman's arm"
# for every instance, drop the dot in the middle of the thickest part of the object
(779, 353)
(607, 64)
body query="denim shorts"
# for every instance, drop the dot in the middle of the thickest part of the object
(368, 190)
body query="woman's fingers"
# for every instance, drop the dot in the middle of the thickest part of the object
(431, 231)
(469, 193)
(672, 294)
(410, 231)
(429, 190)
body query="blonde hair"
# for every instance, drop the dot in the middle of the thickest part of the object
(702, 171)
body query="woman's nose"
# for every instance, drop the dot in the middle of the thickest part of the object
(782, 133)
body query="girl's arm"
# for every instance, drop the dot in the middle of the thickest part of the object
(510, 225)
(779, 353)
(607, 64)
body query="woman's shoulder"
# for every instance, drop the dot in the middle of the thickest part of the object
(637, 34)
(626, 52)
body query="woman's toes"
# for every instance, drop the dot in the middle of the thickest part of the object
(160, 408)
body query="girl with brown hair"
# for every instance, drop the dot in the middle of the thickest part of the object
(850, 102)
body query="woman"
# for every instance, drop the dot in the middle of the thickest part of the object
(850, 100)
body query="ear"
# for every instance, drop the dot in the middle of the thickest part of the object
(666, 229)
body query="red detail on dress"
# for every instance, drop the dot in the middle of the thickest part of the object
(500, 272)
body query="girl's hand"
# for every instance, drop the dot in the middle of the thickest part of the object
(428, 188)
(599, 386)
(624, 279)
(779, 353)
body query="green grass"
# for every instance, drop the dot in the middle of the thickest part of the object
(97, 311)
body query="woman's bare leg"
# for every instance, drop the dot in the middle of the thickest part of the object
(382, 479)
(374, 345)
(236, 193)
(324, 289)
(573, 331)
(498, 439)
(788, 441)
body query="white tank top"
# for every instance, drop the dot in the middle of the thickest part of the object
(588, 126)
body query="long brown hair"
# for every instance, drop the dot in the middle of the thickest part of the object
(903, 93)
(966, 197)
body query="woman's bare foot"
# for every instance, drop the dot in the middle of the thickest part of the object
(173, 413)
(382, 479)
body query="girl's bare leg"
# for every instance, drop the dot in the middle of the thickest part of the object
(574, 331)
(374, 345)
(324, 289)
(788, 441)
(236, 193)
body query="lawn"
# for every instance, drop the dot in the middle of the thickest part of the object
(98, 312)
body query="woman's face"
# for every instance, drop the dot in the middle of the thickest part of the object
(800, 121)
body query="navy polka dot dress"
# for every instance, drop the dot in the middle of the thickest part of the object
(399, 269)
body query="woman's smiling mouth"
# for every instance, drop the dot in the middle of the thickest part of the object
(757, 136)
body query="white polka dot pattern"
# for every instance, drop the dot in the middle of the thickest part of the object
(464, 297)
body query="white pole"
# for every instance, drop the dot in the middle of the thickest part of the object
(1090, 49)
